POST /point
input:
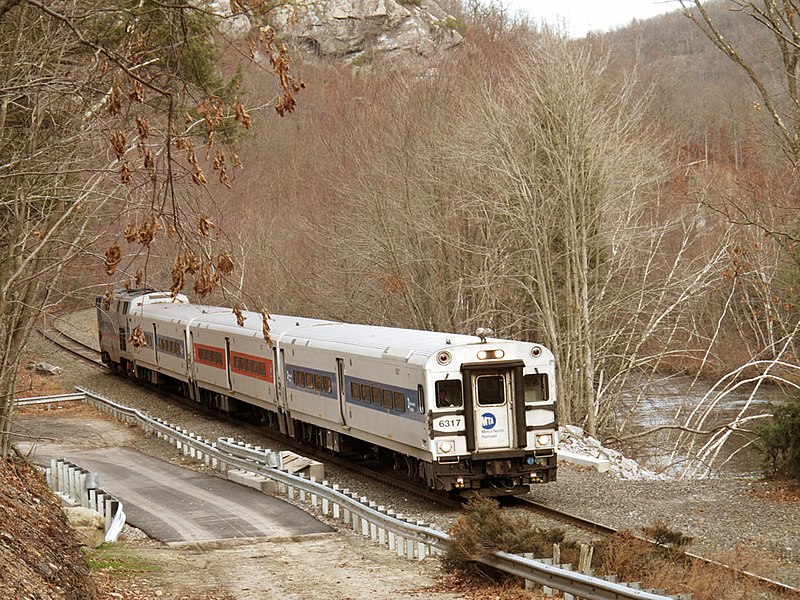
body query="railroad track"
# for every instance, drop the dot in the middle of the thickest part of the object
(599, 528)
(69, 344)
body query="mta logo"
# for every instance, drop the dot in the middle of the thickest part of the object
(488, 420)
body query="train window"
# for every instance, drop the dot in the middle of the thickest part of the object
(299, 379)
(387, 398)
(491, 390)
(310, 381)
(376, 395)
(355, 390)
(318, 382)
(327, 384)
(448, 393)
(366, 394)
(421, 398)
(123, 340)
(400, 401)
(536, 388)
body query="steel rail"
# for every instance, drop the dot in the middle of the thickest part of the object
(593, 526)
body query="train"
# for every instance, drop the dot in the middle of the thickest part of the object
(467, 415)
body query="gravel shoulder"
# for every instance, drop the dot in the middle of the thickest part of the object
(728, 518)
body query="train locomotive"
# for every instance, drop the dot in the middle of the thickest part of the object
(469, 415)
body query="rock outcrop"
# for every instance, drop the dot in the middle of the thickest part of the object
(361, 30)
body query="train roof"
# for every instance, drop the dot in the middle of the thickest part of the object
(374, 340)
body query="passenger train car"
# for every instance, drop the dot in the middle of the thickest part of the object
(464, 414)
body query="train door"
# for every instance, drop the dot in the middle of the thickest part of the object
(494, 406)
(282, 376)
(342, 390)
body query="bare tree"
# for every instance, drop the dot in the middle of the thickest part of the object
(110, 117)
(780, 20)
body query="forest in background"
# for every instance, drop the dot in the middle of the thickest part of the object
(624, 199)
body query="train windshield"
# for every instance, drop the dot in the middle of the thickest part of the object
(536, 388)
(491, 390)
(449, 394)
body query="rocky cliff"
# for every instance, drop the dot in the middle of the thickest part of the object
(361, 30)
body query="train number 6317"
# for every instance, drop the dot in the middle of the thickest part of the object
(448, 423)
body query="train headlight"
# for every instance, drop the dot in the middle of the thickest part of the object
(544, 440)
(484, 354)
(444, 357)
(445, 446)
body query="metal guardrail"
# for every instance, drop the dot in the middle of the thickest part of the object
(80, 486)
(409, 539)
(49, 399)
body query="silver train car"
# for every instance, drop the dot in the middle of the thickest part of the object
(463, 414)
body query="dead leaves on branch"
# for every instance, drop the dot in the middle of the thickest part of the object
(137, 339)
(279, 60)
(265, 326)
(145, 233)
(207, 275)
(242, 115)
(108, 298)
(225, 263)
(113, 256)
(240, 318)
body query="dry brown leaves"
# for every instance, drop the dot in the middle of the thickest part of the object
(143, 126)
(265, 326)
(279, 59)
(219, 165)
(118, 143)
(115, 101)
(137, 92)
(113, 256)
(108, 298)
(206, 280)
(137, 339)
(240, 318)
(225, 263)
(188, 262)
(145, 233)
(204, 225)
(241, 115)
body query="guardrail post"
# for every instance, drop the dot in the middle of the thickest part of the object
(81, 489)
(109, 513)
(346, 513)
(354, 515)
(382, 530)
(422, 547)
(392, 541)
(302, 491)
(325, 502)
(365, 524)
(101, 502)
(336, 507)
(313, 495)
(71, 481)
(546, 590)
(373, 527)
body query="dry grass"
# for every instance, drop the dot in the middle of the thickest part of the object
(632, 559)
(484, 528)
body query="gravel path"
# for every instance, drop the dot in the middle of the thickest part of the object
(722, 515)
